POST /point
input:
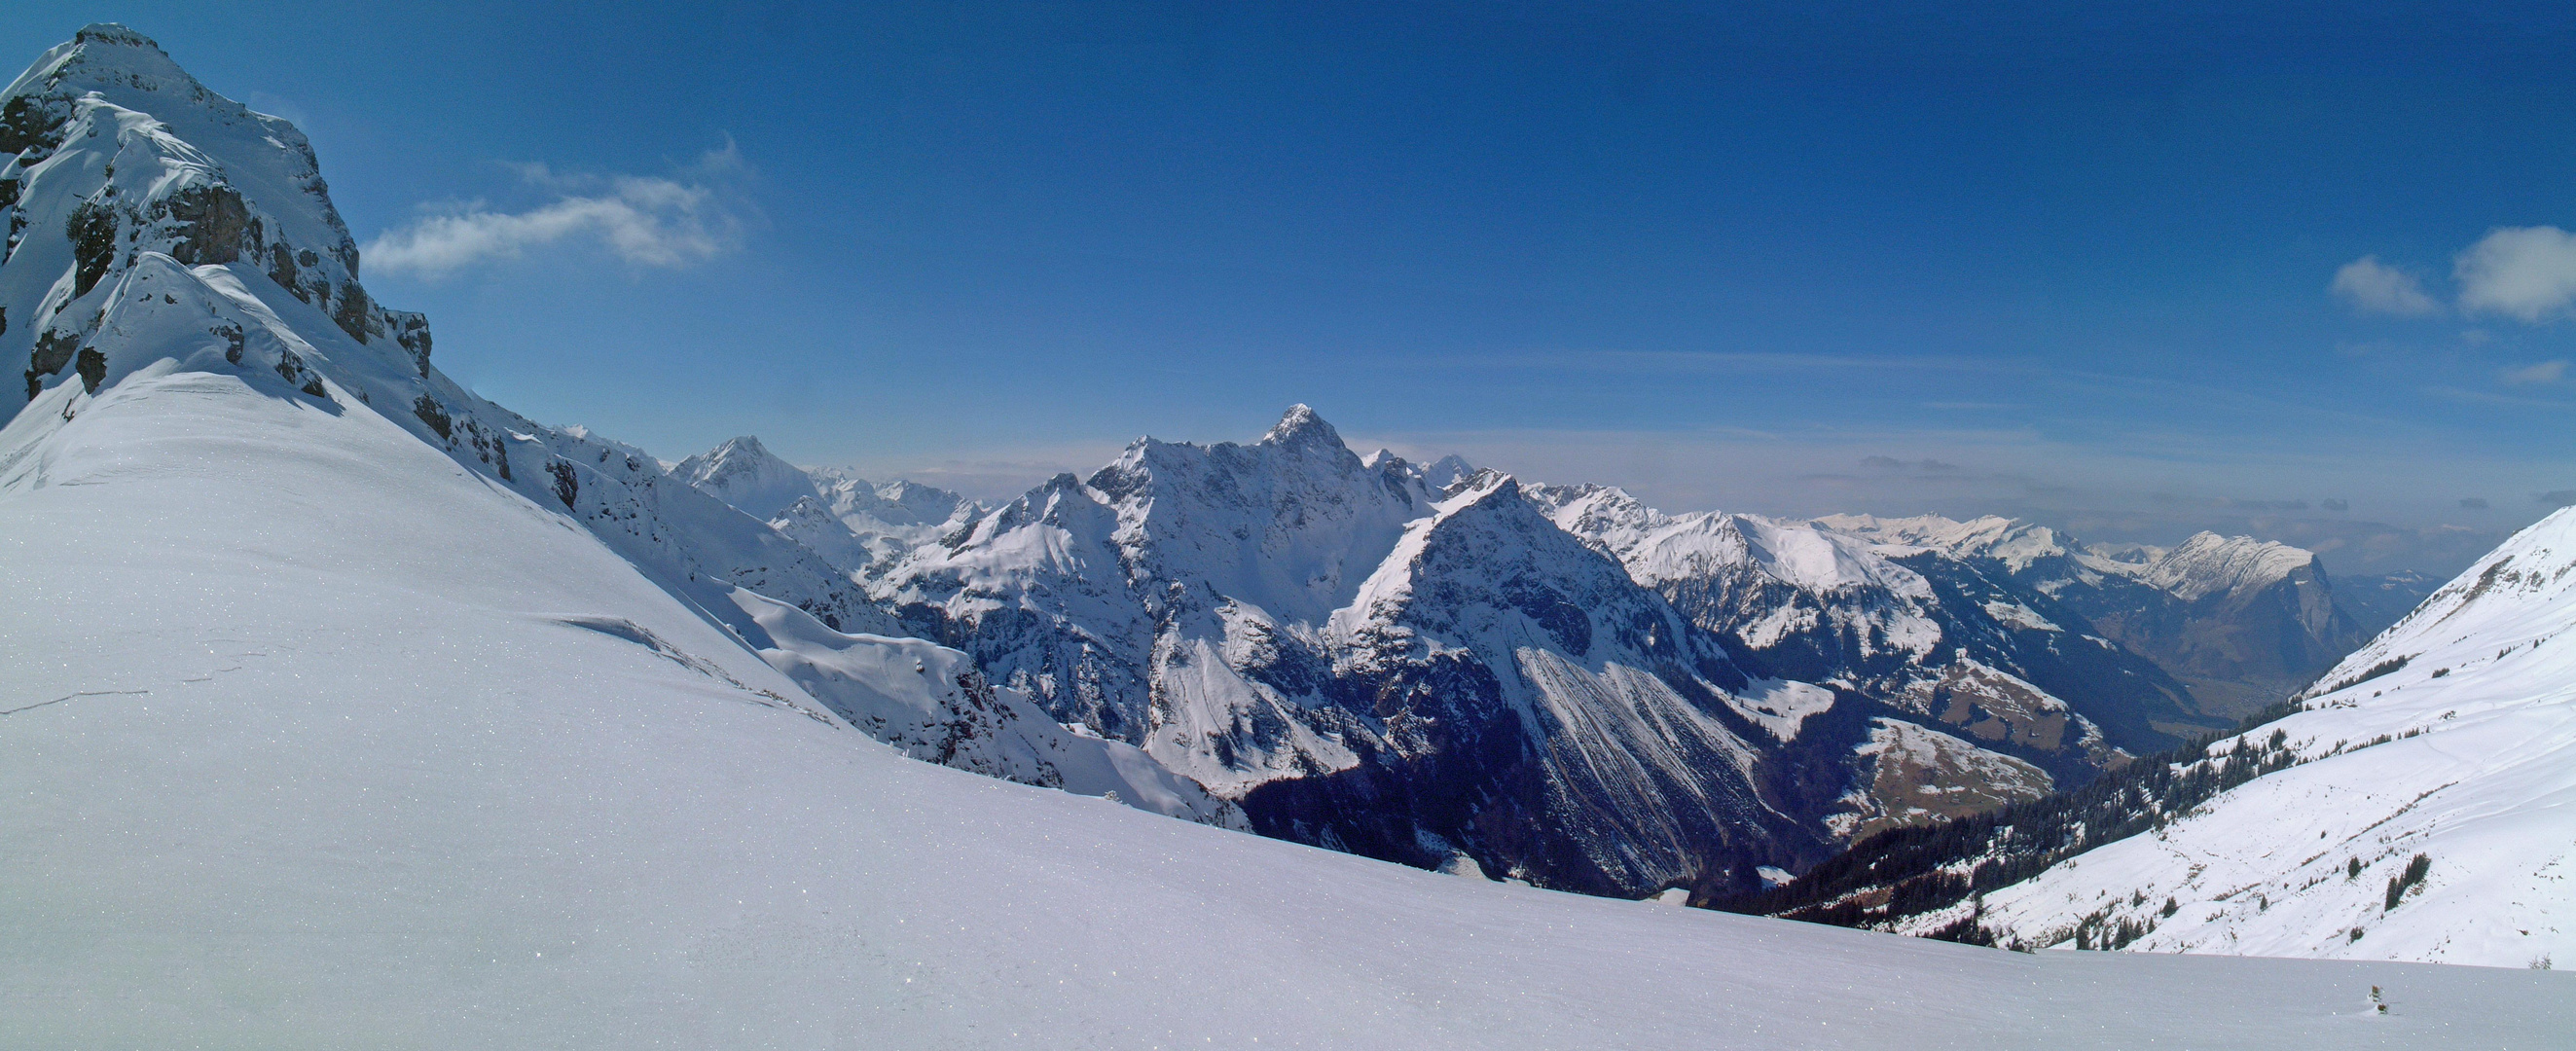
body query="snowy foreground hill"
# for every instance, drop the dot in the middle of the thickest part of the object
(339, 707)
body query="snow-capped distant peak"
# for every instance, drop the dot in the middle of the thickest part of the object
(2017, 544)
(1446, 471)
(2209, 564)
(747, 475)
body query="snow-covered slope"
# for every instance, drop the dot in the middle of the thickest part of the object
(181, 296)
(1607, 743)
(1208, 604)
(2452, 736)
(314, 740)
(931, 703)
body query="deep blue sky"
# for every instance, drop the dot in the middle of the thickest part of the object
(1722, 255)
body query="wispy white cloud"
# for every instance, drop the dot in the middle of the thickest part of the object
(643, 220)
(2370, 285)
(2526, 272)
(2545, 372)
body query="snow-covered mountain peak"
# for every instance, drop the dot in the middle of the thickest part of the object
(1301, 426)
(747, 475)
(1658, 547)
(1440, 474)
(1289, 524)
(2209, 564)
(2517, 597)
(111, 156)
(2015, 543)
(1490, 546)
(177, 137)
(105, 53)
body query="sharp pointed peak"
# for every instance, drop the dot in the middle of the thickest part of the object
(109, 50)
(1301, 426)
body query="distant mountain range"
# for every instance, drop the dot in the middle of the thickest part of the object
(1597, 695)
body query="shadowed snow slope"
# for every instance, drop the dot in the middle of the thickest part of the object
(317, 738)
